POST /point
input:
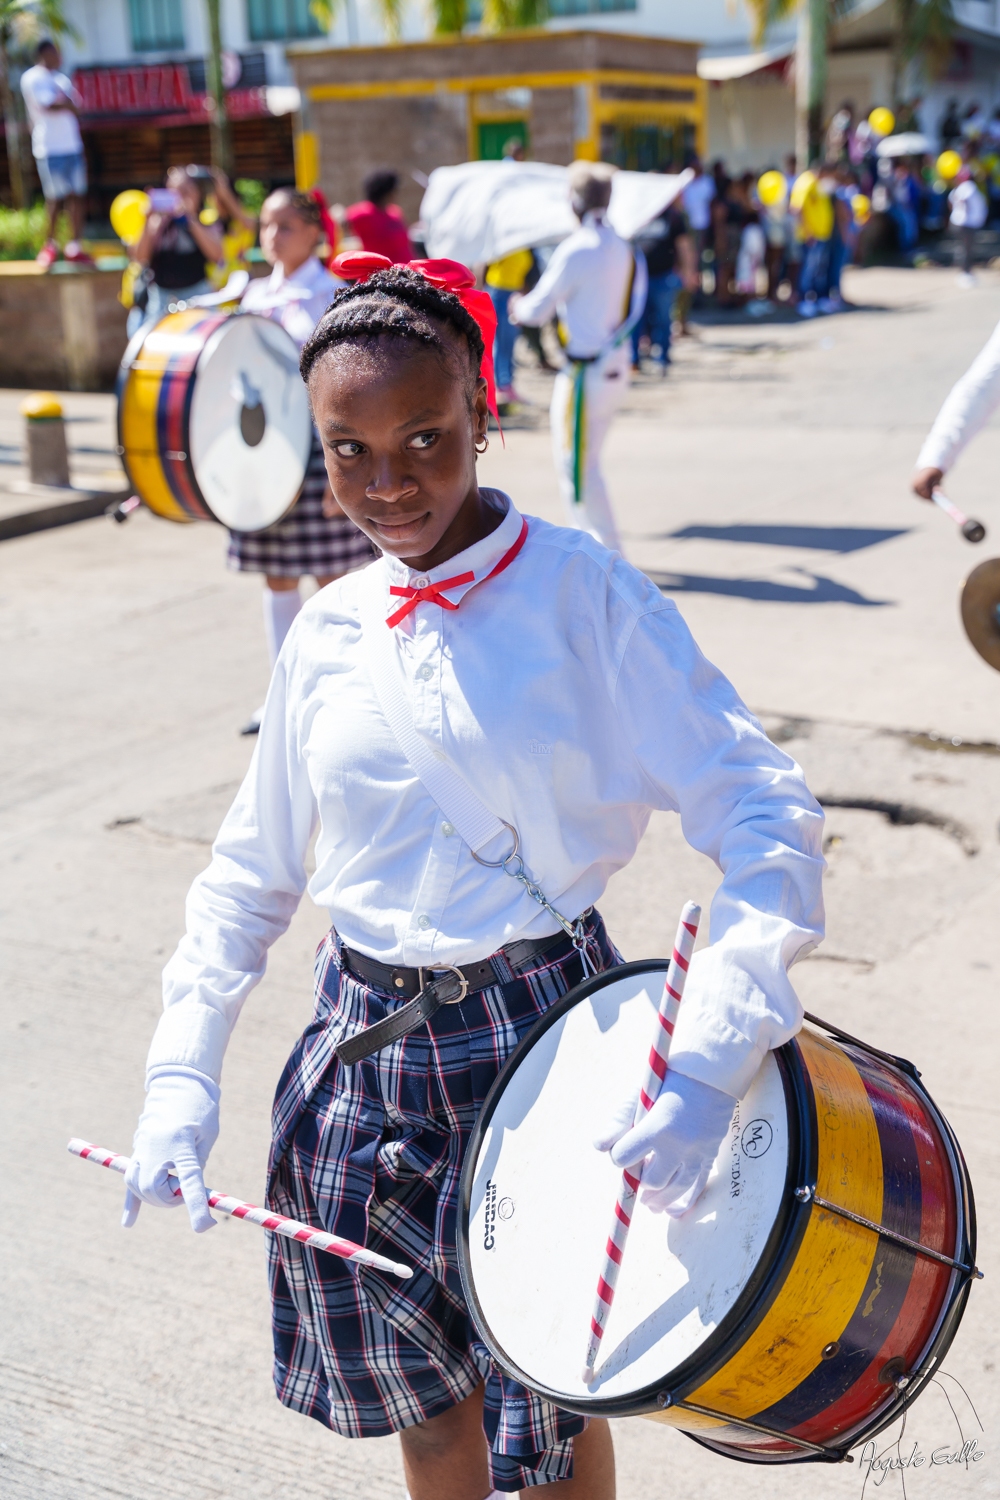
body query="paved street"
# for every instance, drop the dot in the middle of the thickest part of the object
(764, 485)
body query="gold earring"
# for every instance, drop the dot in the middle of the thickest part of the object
(485, 442)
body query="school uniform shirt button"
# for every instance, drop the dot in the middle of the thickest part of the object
(425, 673)
(423, 922)
(421, 583)
(447, 829)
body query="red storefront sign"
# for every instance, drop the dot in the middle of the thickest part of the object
(160, 92)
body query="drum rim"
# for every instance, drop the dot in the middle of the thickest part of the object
(132, 352)
(764, 1283)
(952, 1307)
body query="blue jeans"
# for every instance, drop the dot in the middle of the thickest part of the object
(815, 276)
(62, 176)
(657, 315)
(503, 349)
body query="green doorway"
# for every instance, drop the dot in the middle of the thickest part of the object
(494, 135)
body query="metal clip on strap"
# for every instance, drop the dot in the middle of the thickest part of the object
(409, 1016)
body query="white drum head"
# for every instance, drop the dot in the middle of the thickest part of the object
(250, 428)
(543, 1198)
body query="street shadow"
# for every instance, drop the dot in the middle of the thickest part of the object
(824, 590)
(840, 539)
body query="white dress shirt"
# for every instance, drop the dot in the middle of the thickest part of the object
(969, 405)
(571, 696)
(297, 302)
(54, 132)
(587, 282)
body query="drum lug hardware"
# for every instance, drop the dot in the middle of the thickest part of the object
(806, 1194)
(664, 1399)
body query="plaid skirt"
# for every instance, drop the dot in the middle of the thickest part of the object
(306, 541)
(374, 1152)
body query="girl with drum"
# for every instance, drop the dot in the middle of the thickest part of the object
(312, 539)
(489, 671)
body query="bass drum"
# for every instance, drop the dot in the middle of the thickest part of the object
(213, 418)
(805, 1298)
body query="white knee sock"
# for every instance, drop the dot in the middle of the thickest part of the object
(280, 609)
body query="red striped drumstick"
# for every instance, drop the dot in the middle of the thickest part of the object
(656, 1070)
(277, 1223)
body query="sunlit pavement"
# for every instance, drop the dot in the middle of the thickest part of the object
(764, 485)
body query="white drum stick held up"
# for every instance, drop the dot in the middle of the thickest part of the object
(656, 1070)
(277, 1223)
(973, 531)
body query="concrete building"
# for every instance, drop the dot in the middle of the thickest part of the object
(637, 101)
(140, 65)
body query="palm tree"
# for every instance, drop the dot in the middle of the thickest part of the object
(390, 13)
(810, 65)
(22, 23)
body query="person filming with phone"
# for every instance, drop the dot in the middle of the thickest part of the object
(174, 248)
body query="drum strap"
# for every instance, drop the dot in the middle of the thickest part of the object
(463, 808)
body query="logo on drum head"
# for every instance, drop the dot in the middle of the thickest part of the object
(756, 1138)
(493, 1211)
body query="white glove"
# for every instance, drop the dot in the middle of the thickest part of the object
(677, 1140)
(176, 1131)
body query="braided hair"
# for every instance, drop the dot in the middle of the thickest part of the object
(401, 304)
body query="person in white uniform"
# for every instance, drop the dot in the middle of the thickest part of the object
(488, 666)
(968, 407)
(596, 283)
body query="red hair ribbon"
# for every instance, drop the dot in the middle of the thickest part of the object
(328, 223)
(450, 276)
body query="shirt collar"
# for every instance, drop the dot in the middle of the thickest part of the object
(477, 559)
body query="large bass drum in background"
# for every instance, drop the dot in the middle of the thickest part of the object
(213, 418)
(793, 1311)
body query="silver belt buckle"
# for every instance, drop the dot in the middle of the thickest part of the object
(446, 969)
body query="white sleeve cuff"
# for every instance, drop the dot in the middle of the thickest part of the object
(189, 1035)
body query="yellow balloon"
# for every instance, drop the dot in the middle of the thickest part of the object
(882, 120)
(801, 188)
(862, 207)
(949, 164)
(128, 215)
(772, 189)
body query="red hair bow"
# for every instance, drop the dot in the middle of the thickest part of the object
(450, 276)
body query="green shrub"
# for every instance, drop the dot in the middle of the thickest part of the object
(22, 232)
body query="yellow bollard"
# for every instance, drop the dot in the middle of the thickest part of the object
(45, 440)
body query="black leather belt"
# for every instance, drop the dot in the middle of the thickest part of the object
(428, 989)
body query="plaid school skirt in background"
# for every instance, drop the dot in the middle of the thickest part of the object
(305, 543)
(374, 1152)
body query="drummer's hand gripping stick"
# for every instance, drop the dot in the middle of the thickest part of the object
(277, 1223)
(656, 1071)
(973, 531)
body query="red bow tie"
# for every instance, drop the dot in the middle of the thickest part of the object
(433, 593)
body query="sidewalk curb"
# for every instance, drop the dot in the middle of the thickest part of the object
(90, 503)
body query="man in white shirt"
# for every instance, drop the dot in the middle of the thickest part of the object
(597, 285)
(57, 146)
(968, 407)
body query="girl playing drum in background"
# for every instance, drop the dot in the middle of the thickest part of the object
(553, 681)
(309, 541)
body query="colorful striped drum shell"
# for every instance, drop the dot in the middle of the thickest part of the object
(213, 419)
(833, 1329)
